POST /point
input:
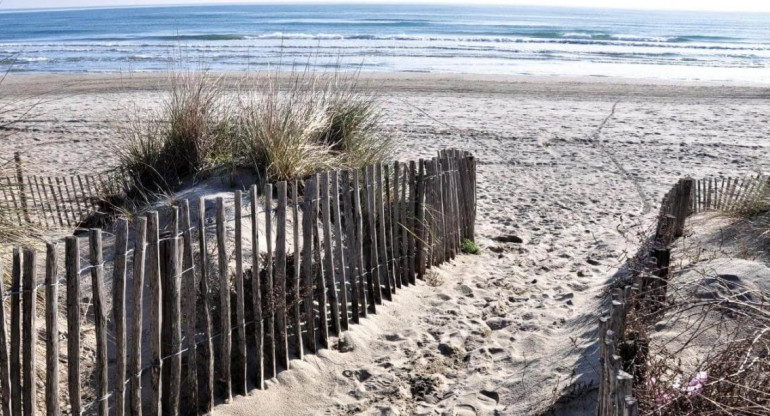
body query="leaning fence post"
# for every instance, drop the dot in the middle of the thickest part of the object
(20, 180)
(29, 337)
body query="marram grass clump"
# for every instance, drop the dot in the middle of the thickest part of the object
(469, 246)
(183, 138)
(283, 125)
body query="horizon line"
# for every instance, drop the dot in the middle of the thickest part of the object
(13, 9)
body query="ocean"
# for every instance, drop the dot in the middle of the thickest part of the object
(404, 38)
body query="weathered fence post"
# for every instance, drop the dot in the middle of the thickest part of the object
(601, 405)
(308, 218)
(135, 362)
(269, 283)
(412, 221)
(153, 235)
(100, 318)
(395, 282)
(373, 266)
(296, 283)
(382, 243)
(189, 306)
(119, 313)
(682, 206)
(29, 337)
(358, 247)
(225, 340)
(16, 206)
(321, 291)
(397, 227)
(350, 247)
(72, 269)
(282, 349)
(328, 243)
(207, 400)
(404, 231)
(420, 214)
(256, 292)
(16, 387)
(22, 190)
(240, 373)
(339, 254)
(171, 320)
(5, 370)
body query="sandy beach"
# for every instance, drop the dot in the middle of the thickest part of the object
(570, 168)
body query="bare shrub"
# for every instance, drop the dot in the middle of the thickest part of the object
(715, 358)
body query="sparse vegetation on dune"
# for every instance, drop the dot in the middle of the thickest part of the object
(283, 126)
(708, 350)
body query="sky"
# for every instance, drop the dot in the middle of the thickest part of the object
(703, 5)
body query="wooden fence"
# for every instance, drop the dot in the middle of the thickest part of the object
(622, 352)
(51, 201)
(181, 327)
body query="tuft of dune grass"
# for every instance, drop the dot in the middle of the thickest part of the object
(282, 125)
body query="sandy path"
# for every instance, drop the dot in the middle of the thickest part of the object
(510, 329)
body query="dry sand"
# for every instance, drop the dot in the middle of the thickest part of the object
(571, 166)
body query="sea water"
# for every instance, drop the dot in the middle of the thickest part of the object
(402, 38)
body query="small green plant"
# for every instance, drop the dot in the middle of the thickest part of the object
(469, 246)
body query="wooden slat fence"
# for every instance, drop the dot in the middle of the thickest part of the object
(52, 201)
(619, 350)
(287, 274)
